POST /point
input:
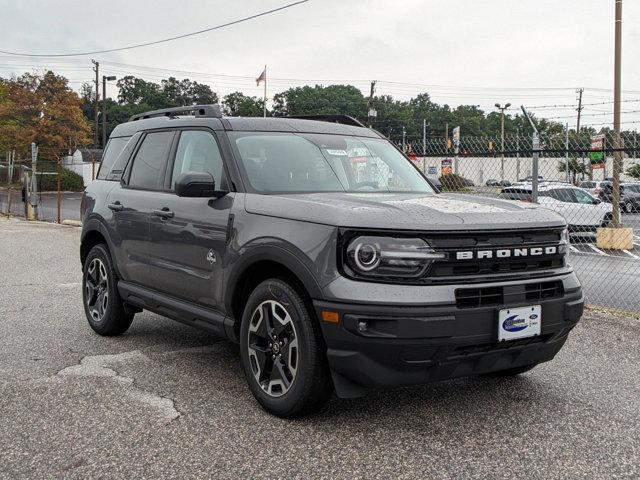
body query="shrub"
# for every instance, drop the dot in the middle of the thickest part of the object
(634, 171)
(69, 181)
(452, 183)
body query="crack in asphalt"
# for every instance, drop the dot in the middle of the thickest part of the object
(101, 366)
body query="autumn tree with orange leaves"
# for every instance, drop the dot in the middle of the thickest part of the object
(41, 109)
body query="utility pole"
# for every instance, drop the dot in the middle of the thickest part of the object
(617, 154)
(424, 137)
(104, 108)
(371, 113)
(96, 127)
(502, 109)
(579, 92)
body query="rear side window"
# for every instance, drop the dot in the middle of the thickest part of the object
(150, 161)
(111, 153)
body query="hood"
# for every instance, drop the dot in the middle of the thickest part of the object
(407, 211)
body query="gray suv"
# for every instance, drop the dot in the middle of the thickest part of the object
(323, 251)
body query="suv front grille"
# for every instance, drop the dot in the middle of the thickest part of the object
(513, 294)
(478, 269)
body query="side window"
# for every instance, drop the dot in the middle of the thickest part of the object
(150, 161)
(583, 197)
(111, 153)
(564, 195)
(198, 152)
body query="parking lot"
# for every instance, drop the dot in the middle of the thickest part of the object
(164, 400)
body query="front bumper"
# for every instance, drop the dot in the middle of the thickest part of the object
(416, 344)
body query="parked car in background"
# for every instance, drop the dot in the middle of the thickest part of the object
(498, 183)
(583, 212)
(594, 187)
(530, 179)
(467, 182)
(629, 195)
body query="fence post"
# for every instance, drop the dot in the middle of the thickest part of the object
(424, 137)
(566, 153)
(34, 186)
(58, 187)
(518, 155)
(10, 156)
(534, 168)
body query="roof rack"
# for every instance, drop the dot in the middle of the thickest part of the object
(334, 118)
(205, 111)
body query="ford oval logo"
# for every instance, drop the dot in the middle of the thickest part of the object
(533, 316)
(513, 324)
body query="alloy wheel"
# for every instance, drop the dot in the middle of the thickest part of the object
(273, 348)
(97, 289)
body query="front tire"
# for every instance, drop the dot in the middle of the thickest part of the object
(102, 303)
(282, 351)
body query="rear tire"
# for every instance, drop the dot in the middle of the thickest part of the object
(102, 303)
(512, 372)
(282, 351)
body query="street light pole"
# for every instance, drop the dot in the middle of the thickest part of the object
(617, 155)
(502, 109)
(104, 108)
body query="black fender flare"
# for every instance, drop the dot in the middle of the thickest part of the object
(277, 253)
(96, 224)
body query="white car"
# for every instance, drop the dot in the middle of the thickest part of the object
(583, 212)
(592, 186)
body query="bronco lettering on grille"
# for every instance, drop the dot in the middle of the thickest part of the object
(506, 253)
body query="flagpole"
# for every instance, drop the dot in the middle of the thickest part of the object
(264, 106)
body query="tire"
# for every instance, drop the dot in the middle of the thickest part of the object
(512, 372)
(629, 207)
(102, 303)
(288, 374)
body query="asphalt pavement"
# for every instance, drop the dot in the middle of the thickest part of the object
(167, 401)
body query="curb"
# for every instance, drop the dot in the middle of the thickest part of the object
(72, 223)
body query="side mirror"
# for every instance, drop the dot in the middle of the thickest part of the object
(197, 184)
(597, 201)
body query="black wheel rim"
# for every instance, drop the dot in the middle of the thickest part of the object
(96, 289)
(273, 348)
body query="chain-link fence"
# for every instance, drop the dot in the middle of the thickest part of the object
(52, 194)
(574, 179)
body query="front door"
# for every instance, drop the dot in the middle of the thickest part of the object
(188, 235)
(132, 203)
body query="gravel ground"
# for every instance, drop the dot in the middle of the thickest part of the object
(166, 401)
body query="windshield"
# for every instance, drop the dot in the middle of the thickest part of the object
(301, 162)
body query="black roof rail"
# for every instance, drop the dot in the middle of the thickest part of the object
(206, 111)
(334, 118)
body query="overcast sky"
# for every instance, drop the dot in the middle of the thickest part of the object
(460, 51)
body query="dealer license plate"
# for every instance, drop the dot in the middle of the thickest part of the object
(520, 322)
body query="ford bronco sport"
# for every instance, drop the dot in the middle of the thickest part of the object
(323, 251)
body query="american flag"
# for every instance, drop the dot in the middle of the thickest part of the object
(262, 77)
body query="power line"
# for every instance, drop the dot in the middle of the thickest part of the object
(164, 40)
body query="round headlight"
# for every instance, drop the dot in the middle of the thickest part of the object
(367, 256)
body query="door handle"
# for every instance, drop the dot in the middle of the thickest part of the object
(163, 213)
(116, 207)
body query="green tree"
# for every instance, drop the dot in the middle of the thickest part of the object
(634, 171)
(237, 104)
(317, 100)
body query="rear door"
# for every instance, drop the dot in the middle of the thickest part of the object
(131, 203)
(188, 235)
